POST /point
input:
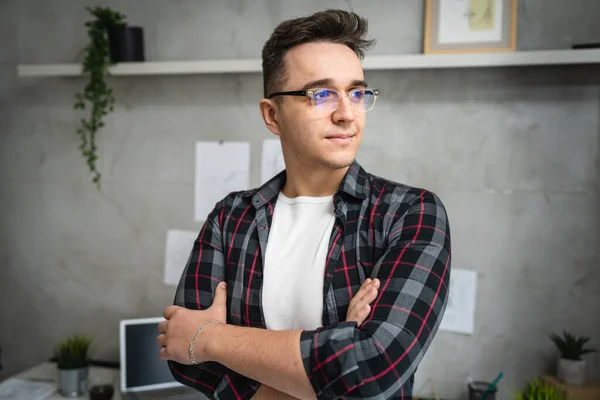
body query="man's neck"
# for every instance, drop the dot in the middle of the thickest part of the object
(312, 182)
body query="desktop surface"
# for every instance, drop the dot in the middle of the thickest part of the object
(46, 372)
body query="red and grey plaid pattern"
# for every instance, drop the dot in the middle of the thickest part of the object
(384, 230)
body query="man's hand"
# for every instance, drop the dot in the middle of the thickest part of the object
(181, 324)
(360, 305)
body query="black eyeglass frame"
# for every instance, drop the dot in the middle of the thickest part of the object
(310, 94)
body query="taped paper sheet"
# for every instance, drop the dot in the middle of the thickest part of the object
(460, 312)
(177, 252)
(221, 168)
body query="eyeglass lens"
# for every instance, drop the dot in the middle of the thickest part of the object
(328, 100)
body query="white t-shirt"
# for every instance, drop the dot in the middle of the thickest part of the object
(295, 257)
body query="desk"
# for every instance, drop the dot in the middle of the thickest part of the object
(47, 372)
(589, 391)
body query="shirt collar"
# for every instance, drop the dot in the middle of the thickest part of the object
(353, 184)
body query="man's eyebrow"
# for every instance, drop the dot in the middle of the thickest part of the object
(317, 83)
(357, 83)
(329, 82)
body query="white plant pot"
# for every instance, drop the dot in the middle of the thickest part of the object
(72, 382)
(571, 372)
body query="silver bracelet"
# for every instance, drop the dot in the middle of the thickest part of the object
(192, 358)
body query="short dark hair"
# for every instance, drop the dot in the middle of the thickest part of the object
(334, 26)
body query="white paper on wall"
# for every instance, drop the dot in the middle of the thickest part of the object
(460, 312)
(272, 161)
(221, 168)
(177, 252)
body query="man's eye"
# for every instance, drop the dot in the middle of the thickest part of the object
(322, 94)
(357, 94)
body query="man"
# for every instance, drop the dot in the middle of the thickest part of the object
(336, 280)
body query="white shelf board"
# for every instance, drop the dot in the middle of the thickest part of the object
(475, 60)
(391, 62)
(149, 68)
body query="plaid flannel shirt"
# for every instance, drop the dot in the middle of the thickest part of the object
(384, 230)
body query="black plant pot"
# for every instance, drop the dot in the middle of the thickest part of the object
(126, 43)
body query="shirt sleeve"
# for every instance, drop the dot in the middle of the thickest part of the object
(380, 357)
(196, 290)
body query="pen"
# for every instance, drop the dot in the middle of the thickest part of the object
(492, 385)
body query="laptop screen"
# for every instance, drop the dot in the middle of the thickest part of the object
(141, 366)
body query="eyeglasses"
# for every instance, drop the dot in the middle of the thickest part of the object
(328, 100)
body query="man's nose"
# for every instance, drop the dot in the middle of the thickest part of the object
(344, 112)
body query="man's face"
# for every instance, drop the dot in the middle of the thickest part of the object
(313, 137)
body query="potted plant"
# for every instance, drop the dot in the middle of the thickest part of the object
(539, 390)
(72, 362)
(111, 41)
(571, 366)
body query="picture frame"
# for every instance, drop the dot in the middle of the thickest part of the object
(470, 26)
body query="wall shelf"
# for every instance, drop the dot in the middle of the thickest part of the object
(392, 62)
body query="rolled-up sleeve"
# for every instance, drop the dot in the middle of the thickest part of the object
(205, 269)
(377, 359)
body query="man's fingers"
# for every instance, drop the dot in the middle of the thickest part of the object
(360, 293)
(164, 355)
(364, 291)
(162, 340)
(169, 311)
(370, 295)
(360, 307)
(162, 327)
(220, 295)
(365, 310)
(364, 313)
(359, 313)
(370, 291)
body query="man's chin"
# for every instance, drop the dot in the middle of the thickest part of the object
(338, 163)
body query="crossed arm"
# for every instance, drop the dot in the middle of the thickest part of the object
(230, 344)
(343, 359)
(273, 357)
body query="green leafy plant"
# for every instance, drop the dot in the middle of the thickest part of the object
(539, 390)
(73, 352)
(97, 95)
(571, 347)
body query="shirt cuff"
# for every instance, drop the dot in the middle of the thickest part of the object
(329, 357)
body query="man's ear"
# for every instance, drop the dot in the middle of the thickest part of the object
(270, 114)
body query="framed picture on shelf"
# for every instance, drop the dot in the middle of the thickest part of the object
(470, 26)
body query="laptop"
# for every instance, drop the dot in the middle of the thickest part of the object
(144, 376)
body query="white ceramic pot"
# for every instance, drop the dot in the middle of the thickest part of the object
(571, 372)
(72, 382)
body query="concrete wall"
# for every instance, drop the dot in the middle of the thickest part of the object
(513, 152)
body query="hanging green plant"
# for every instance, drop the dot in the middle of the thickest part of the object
(96, 96)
